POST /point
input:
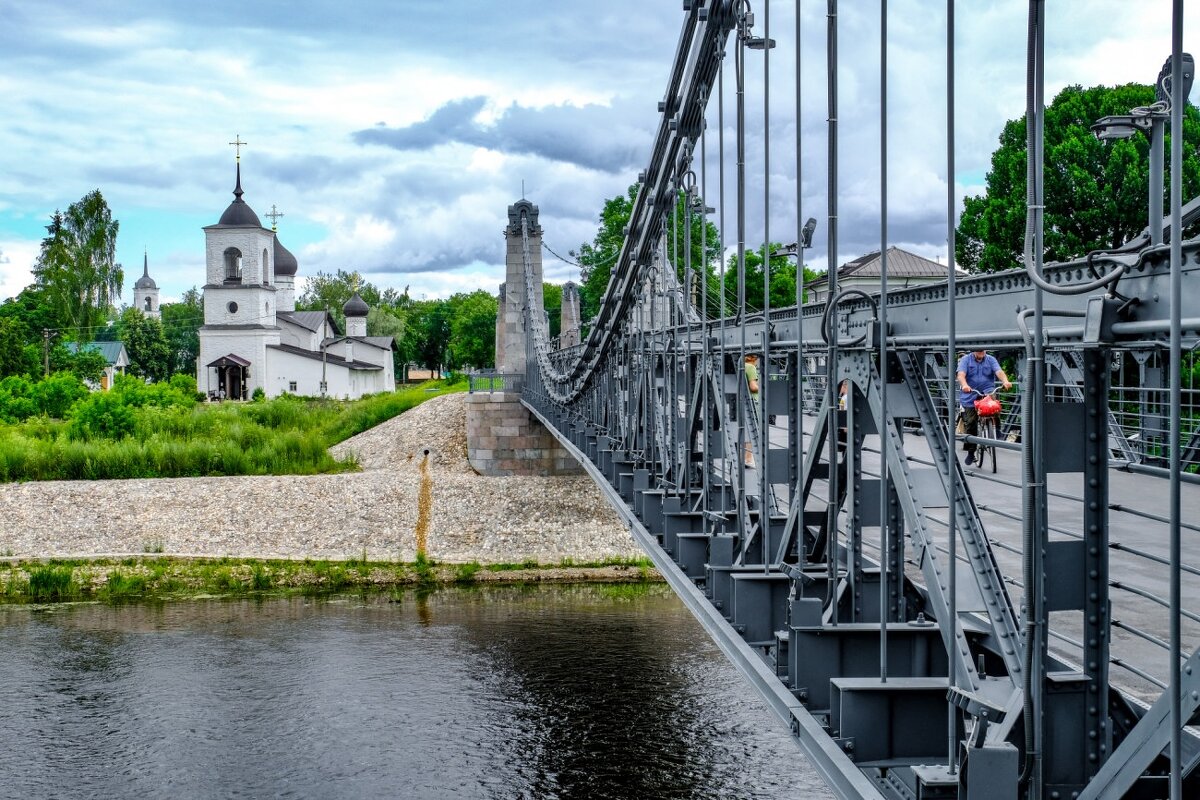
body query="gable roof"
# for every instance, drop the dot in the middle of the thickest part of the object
(901, 264)
(112, 351)
(330, 358)
(309, 320)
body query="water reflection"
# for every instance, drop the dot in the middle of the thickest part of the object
(564, 692)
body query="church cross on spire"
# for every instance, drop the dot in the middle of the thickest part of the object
(237, 145)
(274, 216)
(145, 262)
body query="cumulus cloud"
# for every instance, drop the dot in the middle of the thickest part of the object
(589, 136)
(396, 150)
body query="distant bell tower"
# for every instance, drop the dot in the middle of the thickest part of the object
(145, 291)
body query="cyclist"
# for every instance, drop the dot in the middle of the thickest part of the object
(978, 372)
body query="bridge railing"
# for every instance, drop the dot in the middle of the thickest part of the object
(492, 381)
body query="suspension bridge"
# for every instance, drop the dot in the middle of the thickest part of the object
(1020, 628)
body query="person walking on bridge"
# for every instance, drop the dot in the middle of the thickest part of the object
(750, 365)
(978, 372)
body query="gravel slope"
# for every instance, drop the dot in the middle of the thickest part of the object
(471, 517)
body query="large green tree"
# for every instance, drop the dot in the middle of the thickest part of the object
(77, 268)
(1096, 192)
(472, 330)
(149, 351)
(181, 325)
(596, 259)
(325, 290)
(783, 279)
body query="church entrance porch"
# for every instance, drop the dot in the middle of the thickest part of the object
(233, 373)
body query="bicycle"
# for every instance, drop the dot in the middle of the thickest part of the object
(988, 408)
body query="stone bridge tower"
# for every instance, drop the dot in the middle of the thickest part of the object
(503, 437)
(569, 329)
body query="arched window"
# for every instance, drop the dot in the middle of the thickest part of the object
(267, 276)
(148, 308)
(233, 264)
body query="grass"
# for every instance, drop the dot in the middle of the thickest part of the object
(284, 436)
(157, 578)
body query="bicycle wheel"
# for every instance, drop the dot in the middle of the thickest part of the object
(988, 429)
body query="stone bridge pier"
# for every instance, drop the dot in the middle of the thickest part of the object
(503, 437)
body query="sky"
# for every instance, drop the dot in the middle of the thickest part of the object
(394, 134)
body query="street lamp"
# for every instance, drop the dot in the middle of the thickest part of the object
(1151, 120)
(759, 43)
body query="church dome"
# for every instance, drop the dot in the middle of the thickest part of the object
(145, 282)
(355, 307)
(239, 214)
(285, 262)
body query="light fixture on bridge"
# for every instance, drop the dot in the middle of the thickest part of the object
(1120, 126)
(759, 43)
(807, 233)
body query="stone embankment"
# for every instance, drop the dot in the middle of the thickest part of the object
(469, 517)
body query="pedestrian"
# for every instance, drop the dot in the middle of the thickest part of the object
(750, 367)
(978, 372)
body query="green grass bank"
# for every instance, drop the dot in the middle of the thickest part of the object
(160, 431)
(164, 579)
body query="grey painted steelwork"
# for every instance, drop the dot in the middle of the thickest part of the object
(764, 514)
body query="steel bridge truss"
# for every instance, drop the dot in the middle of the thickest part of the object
(831, 542)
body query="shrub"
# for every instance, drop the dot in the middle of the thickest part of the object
(103, 415)
(259, 395)
(55, 395)
(16, 402)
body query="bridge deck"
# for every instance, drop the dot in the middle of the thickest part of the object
(998, 497)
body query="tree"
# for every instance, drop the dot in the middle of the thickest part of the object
(181, 325)
(596, 259)
(783, 279)
(149, 352)
(552, 302)
(77, 267)
(332, 291)
(1095, 192)
(18, 356)
(472, 330)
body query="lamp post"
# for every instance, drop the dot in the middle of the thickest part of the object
(1150, 120)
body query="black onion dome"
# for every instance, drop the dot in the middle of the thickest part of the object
(355, 307)
(145, 282)
(238, 213)
(285, 262)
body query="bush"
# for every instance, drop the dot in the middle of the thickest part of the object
(55, 395)
(16, 401)
(259, 395)
(103, 415)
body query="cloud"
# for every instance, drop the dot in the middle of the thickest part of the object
(589, 136)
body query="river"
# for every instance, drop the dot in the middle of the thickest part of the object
(582, 691)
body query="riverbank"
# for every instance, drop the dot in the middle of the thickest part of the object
(375, 514)
(173, 578)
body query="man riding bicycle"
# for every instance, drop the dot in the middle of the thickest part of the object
(977, 375)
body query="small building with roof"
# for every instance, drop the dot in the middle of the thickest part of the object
(905, 269)
(253, 337)
(116, 358)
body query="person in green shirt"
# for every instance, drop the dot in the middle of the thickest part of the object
(751, 369)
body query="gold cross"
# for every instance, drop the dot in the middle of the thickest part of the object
(238, 144)
(274, 216)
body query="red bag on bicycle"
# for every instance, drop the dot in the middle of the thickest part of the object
(987, 406)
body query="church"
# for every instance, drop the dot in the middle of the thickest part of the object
(254, 338)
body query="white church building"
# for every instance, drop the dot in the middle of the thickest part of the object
(253, 337)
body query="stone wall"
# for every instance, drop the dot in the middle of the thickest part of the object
(504, 438)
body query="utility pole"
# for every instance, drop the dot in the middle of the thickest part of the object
(323, 349)
(46, 352)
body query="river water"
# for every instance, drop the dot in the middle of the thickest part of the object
(544, 692)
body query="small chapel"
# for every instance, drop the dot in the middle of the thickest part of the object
(253, 337)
